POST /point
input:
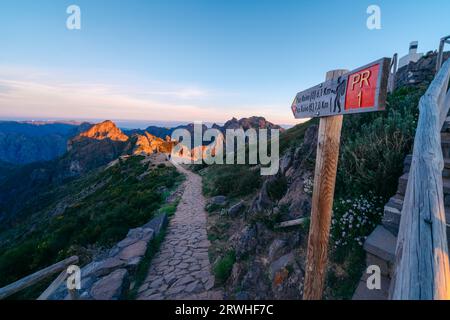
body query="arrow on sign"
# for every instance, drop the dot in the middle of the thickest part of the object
(361, 90)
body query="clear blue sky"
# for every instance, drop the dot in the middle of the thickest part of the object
(192, 60)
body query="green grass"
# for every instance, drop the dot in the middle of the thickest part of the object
(169, 209)
(353, 262)
(277, 188)
(222, 269)
(293, 137)
(231, 180)
(104, 217)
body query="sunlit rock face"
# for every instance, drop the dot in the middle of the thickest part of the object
(147, 144)
(104, 130)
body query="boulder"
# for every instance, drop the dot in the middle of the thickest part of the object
(105, 279)
(246, 242)
(157, 224)
(103, 267)
(137, 249)
(262, 201)
(285, 162)
(253, 284)
(297, 201)
(218, 200)
(110, 287)
(275, 249)
(141, 233)
(310, 138)
(288, 285)
(236, 209)
(281, 263)
(237, 273)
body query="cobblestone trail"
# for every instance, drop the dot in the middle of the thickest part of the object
(181, 269)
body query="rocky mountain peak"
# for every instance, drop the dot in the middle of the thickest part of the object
(250, 123)
(149, 144)
(105, 130)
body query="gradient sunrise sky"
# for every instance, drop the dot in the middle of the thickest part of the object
(175, 60)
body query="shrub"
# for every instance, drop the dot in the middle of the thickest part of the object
(169, 209)
(354, 219)
(232, 180)
(374, 146)
(100, 219)
(277, 188)
(223, 267)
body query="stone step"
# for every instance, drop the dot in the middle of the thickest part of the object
(392, 214)
(403, 182)
(446, 126)
(407, 163)
(380, 250)
(381, 243)
(363, 293)
(445, 143)
(445, 172)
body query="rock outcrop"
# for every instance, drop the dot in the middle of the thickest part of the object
(108, 278)
(248, 123)
(269, 261)
(420, 72)
(93, 148)
(105, 130)
(147, 144)
(296, 168)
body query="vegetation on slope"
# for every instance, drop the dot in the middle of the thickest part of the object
(373, 147)
(85, 215)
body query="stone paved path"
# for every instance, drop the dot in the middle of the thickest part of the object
(181, 269)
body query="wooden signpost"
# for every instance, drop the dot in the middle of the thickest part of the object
(361, 90)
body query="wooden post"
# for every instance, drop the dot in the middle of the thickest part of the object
(322, 202)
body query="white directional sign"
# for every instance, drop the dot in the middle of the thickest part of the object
(361, 90)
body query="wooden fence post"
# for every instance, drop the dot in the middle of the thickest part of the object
(36, 277)
(328, 142)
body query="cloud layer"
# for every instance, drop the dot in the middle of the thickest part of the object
(32, 94)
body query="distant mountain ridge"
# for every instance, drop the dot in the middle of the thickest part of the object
(254, 122)
(26, 142)
(249, 123)
(23, 142)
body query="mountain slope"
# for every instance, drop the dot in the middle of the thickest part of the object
(23, 143)
(84, 215)
(87, 151)
(255, 260)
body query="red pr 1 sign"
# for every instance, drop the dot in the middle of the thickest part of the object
(360, 90)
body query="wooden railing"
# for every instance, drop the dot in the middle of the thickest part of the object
(422, 263)
(39, 276)
(440, 57)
